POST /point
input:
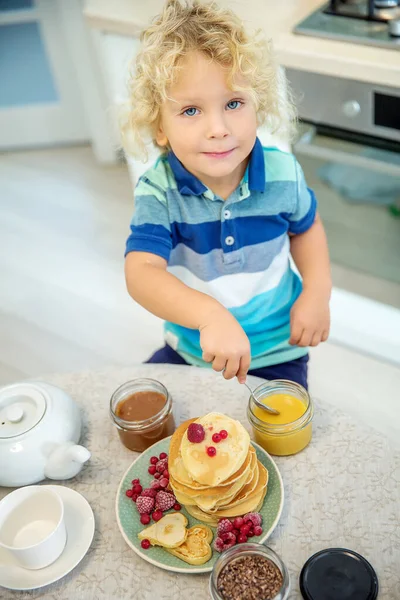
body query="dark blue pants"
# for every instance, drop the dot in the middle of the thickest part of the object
(294, 370)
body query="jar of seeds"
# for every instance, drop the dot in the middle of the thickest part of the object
(249, 571)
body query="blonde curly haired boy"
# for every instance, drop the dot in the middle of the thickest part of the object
(218, 215)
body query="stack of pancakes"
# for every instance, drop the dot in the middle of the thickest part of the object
(229, 484)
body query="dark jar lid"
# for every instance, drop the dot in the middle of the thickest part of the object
(338, 574)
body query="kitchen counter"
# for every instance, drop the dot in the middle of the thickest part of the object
(352, 61)
(341, 491)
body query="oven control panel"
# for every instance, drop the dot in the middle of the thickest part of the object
(346, 104)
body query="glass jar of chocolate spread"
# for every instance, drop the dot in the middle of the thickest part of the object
(141, 410)
(249, 570)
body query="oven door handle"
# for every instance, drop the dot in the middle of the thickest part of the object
(306, 146)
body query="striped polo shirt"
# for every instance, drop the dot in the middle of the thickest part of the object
(236, 251)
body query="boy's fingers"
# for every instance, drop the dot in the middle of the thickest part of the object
(324, 336)
(232, 367)
(296, 334)
(305, 339)
(243, 368)
(219, 363)
(207, 357)
(316, 338)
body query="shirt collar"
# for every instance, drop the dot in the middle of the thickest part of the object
(190, 185)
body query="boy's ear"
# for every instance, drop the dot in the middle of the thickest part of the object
(161, 138)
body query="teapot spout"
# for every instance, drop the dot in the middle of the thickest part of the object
(77, 453)
(66, 461)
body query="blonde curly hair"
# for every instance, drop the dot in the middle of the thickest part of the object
(219, 34)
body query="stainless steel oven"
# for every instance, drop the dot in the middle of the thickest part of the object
(349, 148)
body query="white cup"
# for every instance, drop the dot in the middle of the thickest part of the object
(32, 526)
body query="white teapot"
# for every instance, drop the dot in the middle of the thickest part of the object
(40, 426)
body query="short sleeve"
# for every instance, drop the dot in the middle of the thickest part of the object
(150, 225)
(305, 208)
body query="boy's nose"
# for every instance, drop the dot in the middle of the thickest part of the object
(217, 128)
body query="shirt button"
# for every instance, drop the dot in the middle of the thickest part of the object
(227, 214)
(229, 241)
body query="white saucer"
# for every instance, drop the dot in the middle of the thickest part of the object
(79, 521)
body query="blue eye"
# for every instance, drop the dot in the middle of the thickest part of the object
(233, 104)
(190, 112)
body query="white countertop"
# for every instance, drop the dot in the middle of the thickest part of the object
(352, 61)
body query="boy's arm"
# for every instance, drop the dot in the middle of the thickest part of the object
(310, 320)
(222, 339)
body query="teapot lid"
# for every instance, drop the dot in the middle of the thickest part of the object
(22, 406)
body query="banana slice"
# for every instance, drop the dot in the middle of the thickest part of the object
(168, 532)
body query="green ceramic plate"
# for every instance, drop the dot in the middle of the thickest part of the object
(130, 525)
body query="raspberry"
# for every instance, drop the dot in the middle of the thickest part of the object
(216, 438)
(227, 540)
(218, 544)
(230, 542)
(224, 434)
(238, 522)
(224, 526)
(137, 489)
(157, 475)
(211, 451)
(155, 484)
(157, 515)
(129, 493)
(162, 465)
(144, 505)
(165, 501)
(163, 455)
(152, 470)
(153, 460)
(258, 530)
(145, 519)
(145, 544)
(166, 474)
(164, 482)
(177, 506)
(196, 433)
(254, 517)
(242, 539)
(149, 493)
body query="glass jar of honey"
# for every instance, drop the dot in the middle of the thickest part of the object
(291, 430)
(141, 410)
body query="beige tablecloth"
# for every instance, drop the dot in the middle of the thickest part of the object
(342, 491)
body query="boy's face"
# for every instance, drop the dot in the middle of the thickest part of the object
(211, 129)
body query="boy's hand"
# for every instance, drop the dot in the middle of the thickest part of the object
(310, 319)
(225, 345)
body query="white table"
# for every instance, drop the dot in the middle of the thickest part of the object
(342, 491)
